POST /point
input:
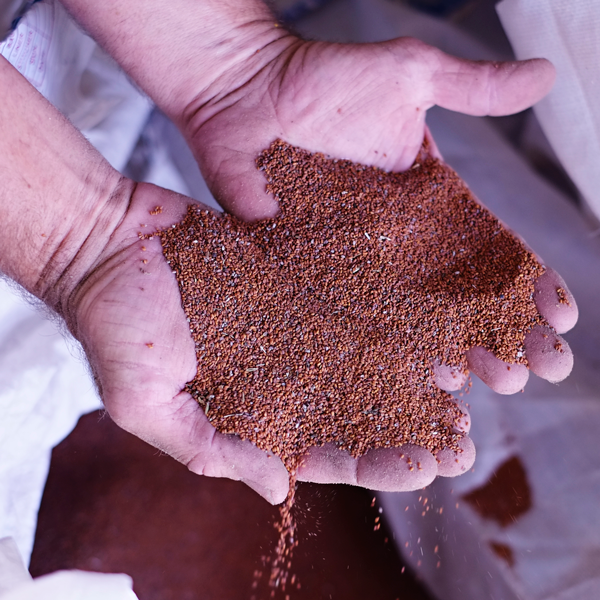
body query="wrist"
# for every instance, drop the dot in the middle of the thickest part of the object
(83, 243)
(184, 53)
(252, 56)
(49, 247)
(59, 199)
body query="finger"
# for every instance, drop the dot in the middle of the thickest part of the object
(403, 469)
(495, 373)
(182, 430)
(555, 302)
(489, 88)
(240, 460)
(243, 191)
(548, 355)
(451, 463)
(463, 424)
(385, 469)
(328, 464)
(447, 378)
(230, 172)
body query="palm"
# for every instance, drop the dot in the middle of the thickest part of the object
(350, 109)
(132, 325)
(130, 319)
(366, 103)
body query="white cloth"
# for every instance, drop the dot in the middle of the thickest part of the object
(44, 388)
(85, 84)
(568, 34)
(75, 585)
(17, 584)
(12, 570)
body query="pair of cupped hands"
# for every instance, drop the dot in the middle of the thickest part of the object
(366, 103)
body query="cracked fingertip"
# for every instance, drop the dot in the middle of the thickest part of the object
(403, 469)
(463, 425)
(495, 373)
(274, 495)
(555, 301)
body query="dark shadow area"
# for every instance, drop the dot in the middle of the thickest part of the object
(115, 504)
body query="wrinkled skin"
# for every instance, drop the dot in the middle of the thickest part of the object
(366, 103)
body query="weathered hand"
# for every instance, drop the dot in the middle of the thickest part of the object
(367, 103)
(234, 81)
(128, 316)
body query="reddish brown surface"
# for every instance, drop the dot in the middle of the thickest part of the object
(323, 324)
(506, 496)
(503, 551)
(114, 504)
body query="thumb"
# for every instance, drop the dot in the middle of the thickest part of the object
(239, 187)
(489, 88)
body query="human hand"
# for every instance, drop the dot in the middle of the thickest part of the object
(362, 102)
(233, 82)
(381, 469)
(367, 103)
(126, 312)
(70, 236)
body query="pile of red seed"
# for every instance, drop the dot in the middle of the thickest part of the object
(323, 324)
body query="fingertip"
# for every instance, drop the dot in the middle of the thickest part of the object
(491, 88)
(231, 457)
(451, 463)
(548, 354)
(327, 464)
(463, 425)
(545, 72)
(555, 302)
(447, 378)
(403, 469)
(274, 494)
(539, 71)
(501, 377)
(520, 84)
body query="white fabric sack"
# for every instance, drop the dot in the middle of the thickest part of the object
(17, 584)
(568, 34)
(75, 75)
(44, 388)
(44, 384)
